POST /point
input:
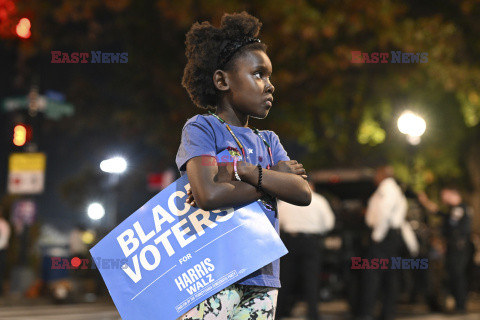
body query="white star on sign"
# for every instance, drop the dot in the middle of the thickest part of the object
(250, 150)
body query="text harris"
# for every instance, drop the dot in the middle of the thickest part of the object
(196, 277)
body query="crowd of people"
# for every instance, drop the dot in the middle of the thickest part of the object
(390, 235)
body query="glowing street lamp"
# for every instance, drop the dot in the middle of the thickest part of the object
(114, 165)
(412, 125)
(95, 211)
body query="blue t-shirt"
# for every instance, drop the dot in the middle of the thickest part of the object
(206, 135)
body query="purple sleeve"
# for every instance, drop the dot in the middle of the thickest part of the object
(197, 140)
(279, 153)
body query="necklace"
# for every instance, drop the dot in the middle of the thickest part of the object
(266, 199)
(255, 130)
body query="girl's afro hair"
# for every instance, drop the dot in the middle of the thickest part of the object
(203, 47)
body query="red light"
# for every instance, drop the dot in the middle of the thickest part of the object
(334, 179)
(23, 28)
(20, 135)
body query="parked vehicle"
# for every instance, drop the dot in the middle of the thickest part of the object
(348, 191)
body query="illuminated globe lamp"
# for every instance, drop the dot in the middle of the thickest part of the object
(411, 125)
(115, 166)
(95, 211)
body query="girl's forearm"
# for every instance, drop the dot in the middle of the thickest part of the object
(229, 194)
(213, 188)
(288, 187)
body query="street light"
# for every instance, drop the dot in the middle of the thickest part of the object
(412, 125)
(95, 211)
(115, 166)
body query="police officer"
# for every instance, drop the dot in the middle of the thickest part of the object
(456, 229)
(302, 232)
(385, 215)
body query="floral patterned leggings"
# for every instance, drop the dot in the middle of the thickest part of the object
(237, 302)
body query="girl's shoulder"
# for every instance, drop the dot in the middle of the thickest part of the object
(203, 120)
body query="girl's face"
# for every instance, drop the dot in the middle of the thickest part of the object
(249, 82)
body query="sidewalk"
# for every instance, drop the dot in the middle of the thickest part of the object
(332, 310)
(338, 310)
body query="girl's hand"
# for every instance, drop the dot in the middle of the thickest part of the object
(210, 194)
(291, 166)
(190, 200)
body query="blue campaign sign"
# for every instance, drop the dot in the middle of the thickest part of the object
(173, 256)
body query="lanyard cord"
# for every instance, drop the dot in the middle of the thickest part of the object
(266, 199)
(266, 144)
(231, 132)
(255, 130)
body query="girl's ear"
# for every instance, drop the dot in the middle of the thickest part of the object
(220, 80)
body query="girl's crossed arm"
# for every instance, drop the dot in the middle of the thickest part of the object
(213, 186)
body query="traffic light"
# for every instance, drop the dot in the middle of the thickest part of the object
(23, 28)
(21, 134)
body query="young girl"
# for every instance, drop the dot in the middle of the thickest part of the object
(228, 70)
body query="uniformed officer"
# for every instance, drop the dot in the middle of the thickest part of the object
(385, 215)
(456, 229)
(302, 231)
